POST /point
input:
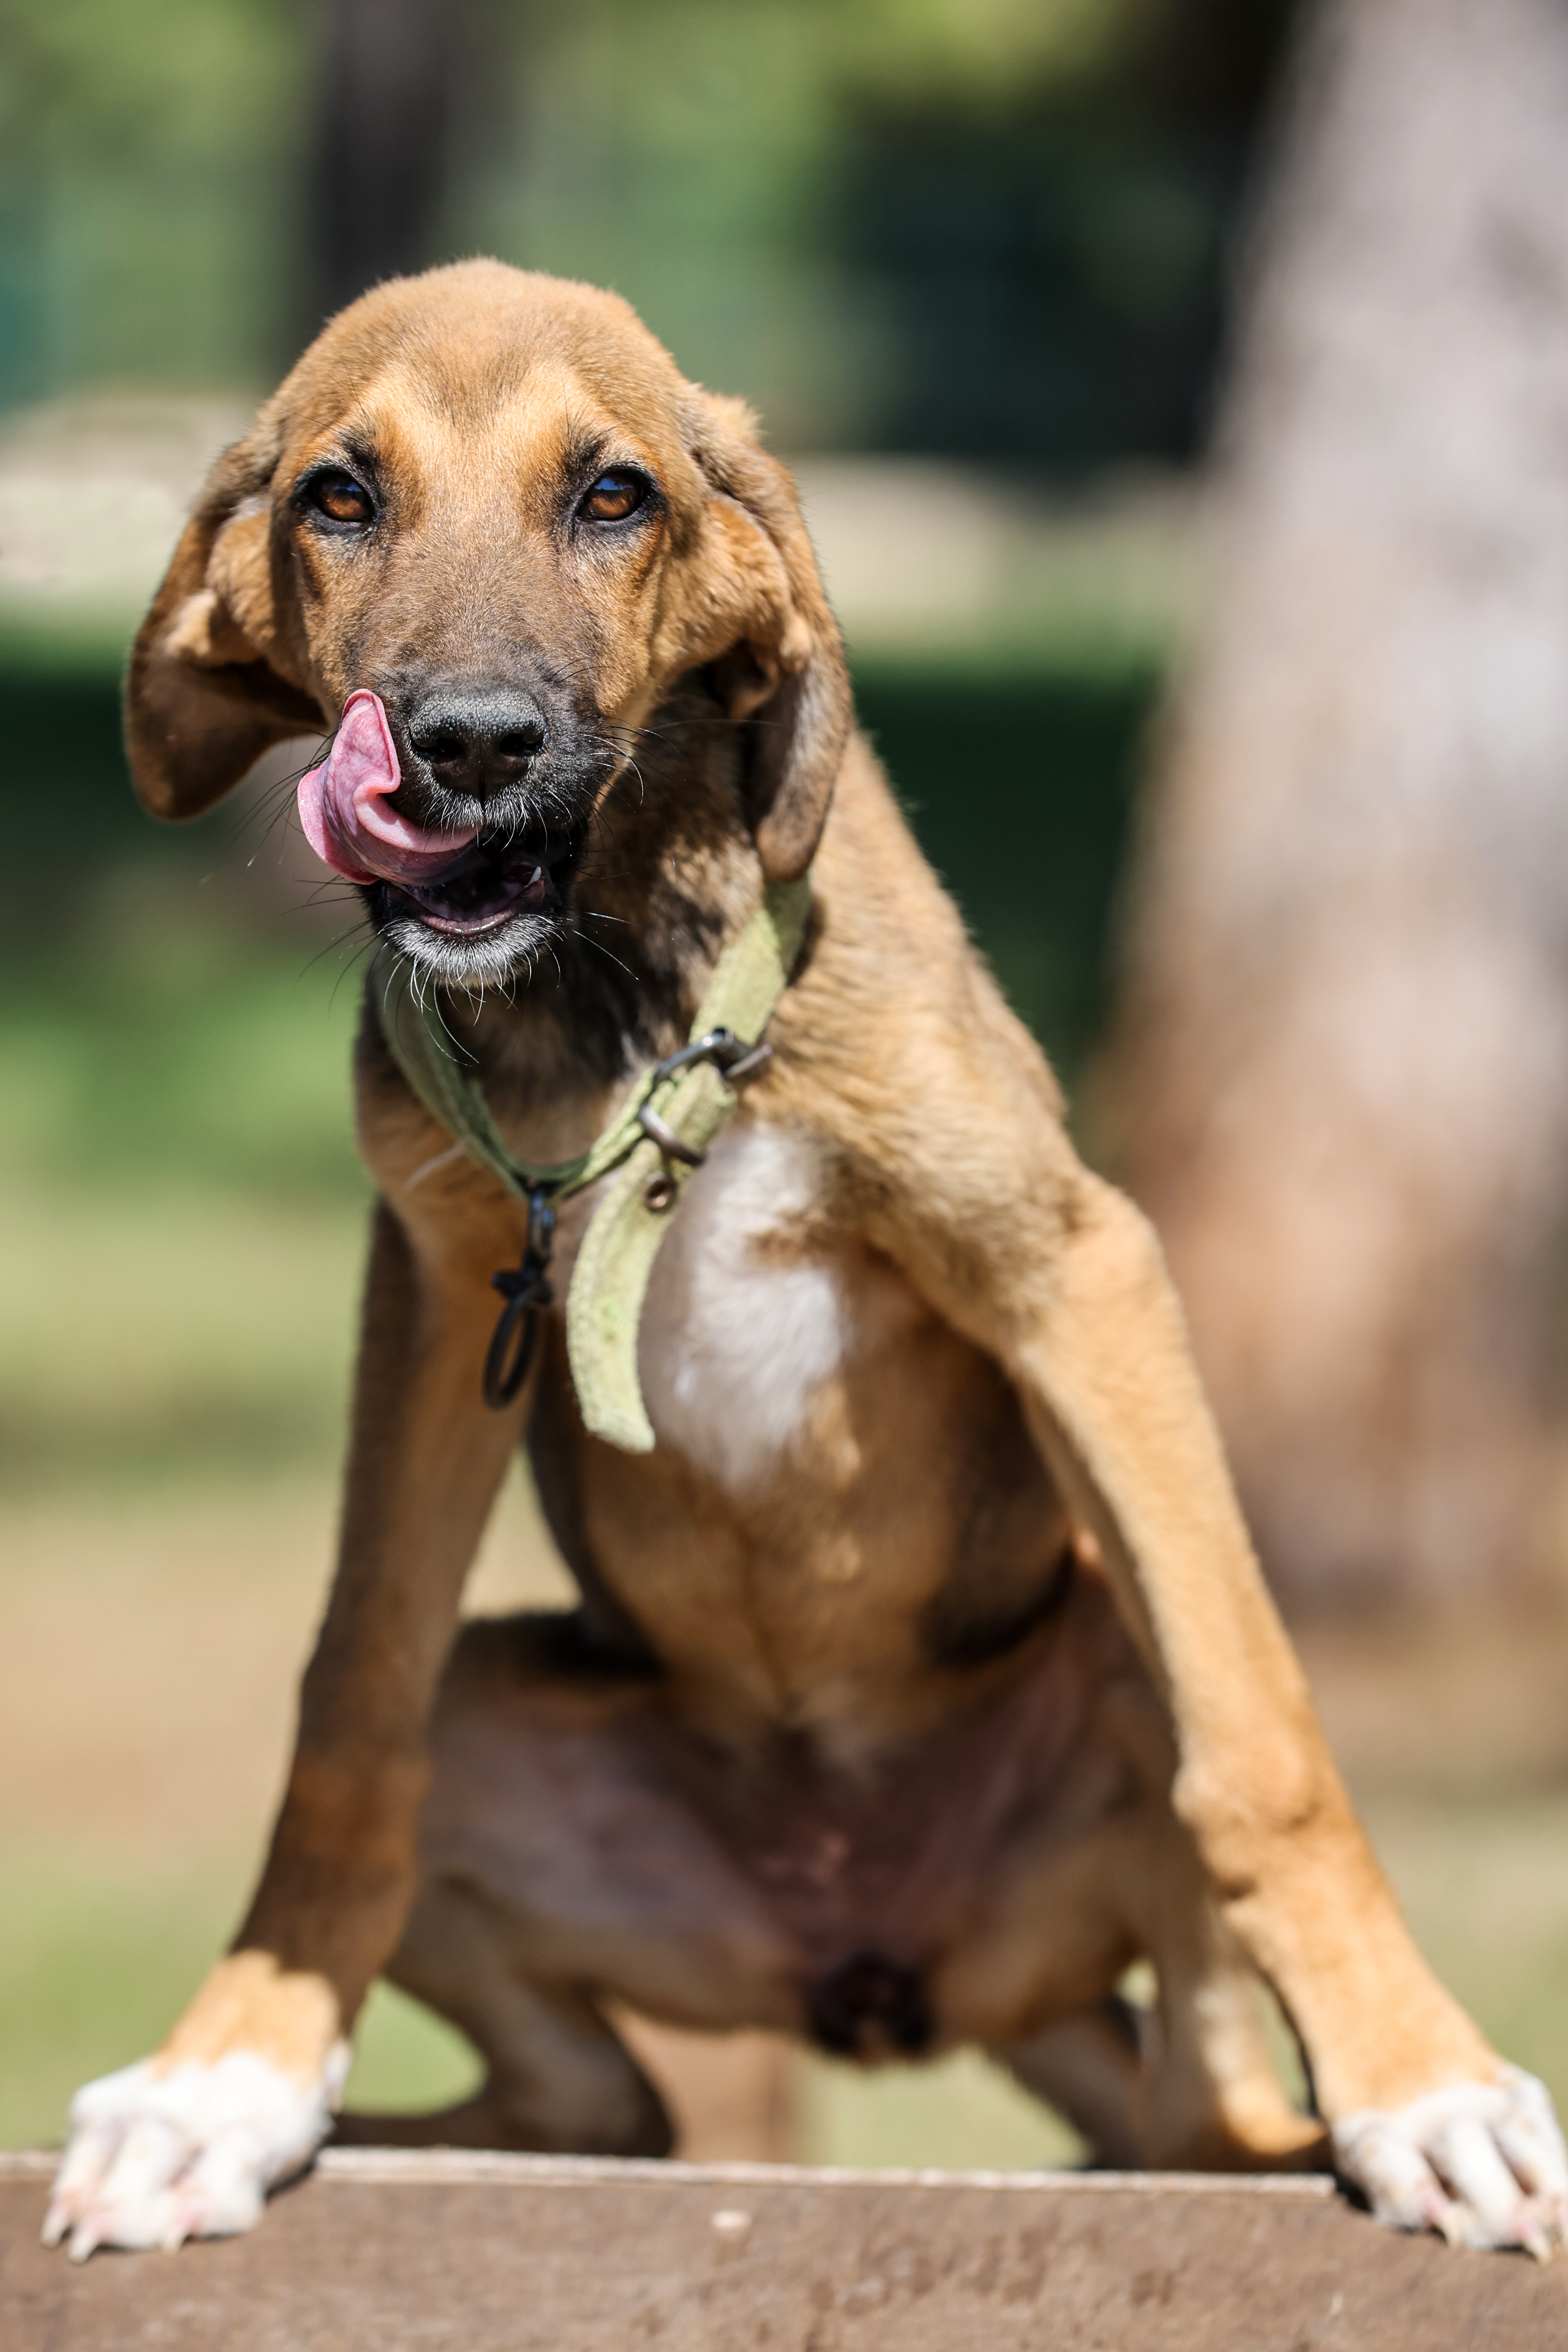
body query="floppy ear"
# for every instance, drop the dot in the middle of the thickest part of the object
(207, 691)
(783, 671)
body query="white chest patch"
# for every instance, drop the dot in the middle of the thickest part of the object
(731, 1346)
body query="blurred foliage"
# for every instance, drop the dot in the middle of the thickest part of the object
(747, 175)
(848, 213)
(146, 160)
(1045, 290)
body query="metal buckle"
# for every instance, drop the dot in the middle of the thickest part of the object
(525, 1288)
(730, 1056)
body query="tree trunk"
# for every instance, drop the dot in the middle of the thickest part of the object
(1339, 1079)
(383, 132)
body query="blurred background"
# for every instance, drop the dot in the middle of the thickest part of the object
(1179, 394)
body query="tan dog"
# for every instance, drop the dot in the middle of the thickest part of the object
(924, 1678)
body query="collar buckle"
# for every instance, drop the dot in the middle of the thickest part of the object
(729, 1054)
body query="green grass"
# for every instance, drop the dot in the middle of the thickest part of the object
(181, 1208)
(184, 1331)
(94, 1963)
(1484, 1882)
(97, 1961)
(957, 2114)
(170, 1052)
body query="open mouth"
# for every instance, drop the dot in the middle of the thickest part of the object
(486, 888)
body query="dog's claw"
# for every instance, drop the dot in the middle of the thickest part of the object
(1481, 2163)
(1437, 2213)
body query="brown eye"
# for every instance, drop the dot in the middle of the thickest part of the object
(613, 496)
(341, 499)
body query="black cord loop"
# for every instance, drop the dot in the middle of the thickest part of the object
(525, 1288)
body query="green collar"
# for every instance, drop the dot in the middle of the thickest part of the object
(659, 1135)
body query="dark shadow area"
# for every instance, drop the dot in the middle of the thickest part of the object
(1048, 275)
(1044, 293)
(65, 797)
(1019, 784)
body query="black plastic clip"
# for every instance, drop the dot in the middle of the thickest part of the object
(525, 1288)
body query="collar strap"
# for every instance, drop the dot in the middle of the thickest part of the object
(659, 1135)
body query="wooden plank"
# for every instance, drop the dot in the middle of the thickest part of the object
(385, 2251)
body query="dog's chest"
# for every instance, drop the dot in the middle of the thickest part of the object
(748, 1319)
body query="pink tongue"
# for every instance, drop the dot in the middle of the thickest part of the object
(342, 812)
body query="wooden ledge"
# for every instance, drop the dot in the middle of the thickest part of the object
(387, 2250)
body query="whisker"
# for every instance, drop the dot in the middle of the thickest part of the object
(603, 950)
(330, 949)
(349, 965)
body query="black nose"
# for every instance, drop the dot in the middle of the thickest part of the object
(477, 738)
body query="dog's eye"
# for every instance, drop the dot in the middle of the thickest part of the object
(341, 499)
(613, 496)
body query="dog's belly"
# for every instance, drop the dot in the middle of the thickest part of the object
(844, 1503)
(626, 1850)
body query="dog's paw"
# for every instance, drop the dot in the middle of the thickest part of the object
(1484, 2163)
(156, 2157)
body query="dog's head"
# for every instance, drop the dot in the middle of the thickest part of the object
(489, 500)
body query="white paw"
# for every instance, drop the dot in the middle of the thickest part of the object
(1484, 2163)
(154, 2158)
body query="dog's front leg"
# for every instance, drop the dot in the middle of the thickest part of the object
(188, 2142)
(1067, 1288)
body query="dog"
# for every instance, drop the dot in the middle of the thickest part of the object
(923, 1677)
